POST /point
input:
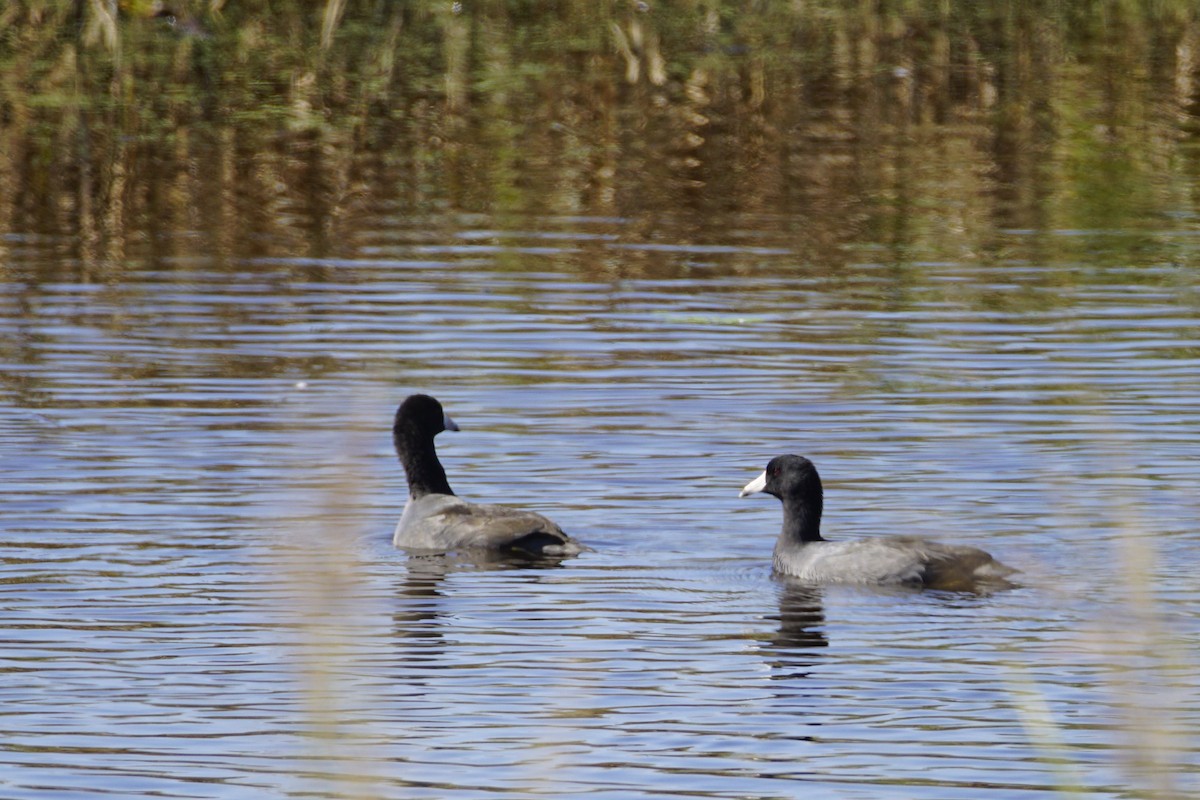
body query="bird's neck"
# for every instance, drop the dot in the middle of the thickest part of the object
(801, 520)
(421, 465)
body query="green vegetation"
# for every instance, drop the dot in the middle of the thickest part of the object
(904, 123)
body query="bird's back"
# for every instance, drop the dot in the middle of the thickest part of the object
(443, 522)
(892, 560)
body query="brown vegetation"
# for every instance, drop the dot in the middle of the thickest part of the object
(282, 130)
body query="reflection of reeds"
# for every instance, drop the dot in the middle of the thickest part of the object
(927, 123)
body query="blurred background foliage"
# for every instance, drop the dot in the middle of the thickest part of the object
(286, 126)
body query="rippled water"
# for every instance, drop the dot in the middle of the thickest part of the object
(200, 597)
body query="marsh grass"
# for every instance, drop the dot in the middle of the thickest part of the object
(1127, 650)
(332, 607)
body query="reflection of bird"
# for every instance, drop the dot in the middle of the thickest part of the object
(801, 617)
(797, 646)
(894, 560)
(435, 519)
(421, 593)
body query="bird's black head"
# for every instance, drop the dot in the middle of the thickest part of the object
(794, 480)
(420, 412)
(788, 476)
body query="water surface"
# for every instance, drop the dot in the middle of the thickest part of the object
(201, 598)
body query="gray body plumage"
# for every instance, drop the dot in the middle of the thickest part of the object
(801, 552)
(894, 560)
(441, 522)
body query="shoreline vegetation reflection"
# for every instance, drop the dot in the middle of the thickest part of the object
(292, 130)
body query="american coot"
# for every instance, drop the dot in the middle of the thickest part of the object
(895, 560)
(435, 519)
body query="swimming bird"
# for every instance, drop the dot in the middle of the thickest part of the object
(436, 519)
(801, 552)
